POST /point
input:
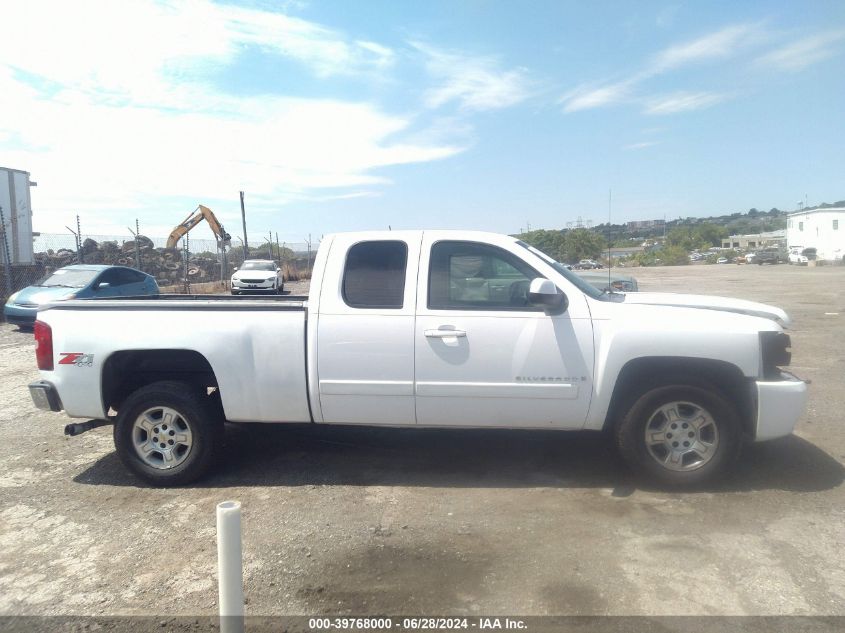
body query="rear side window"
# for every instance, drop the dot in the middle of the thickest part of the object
(122, 276)
(374, 276)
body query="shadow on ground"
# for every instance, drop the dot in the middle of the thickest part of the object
(297, 455)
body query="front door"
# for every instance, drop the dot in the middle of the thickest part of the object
(484, 356)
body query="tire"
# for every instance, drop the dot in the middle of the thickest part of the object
(703, 417)
(195, 433)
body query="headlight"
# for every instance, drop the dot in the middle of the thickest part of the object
(13, 296)
(774, 353)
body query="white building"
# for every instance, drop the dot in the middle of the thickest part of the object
(822, 229)
(754, 241)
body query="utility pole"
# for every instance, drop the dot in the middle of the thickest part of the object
(77, 240)
(308, 268)
(223, 265)
(187, 255)
(243, 218)
(137, 245)
(270, 245)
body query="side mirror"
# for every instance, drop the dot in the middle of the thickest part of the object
(102, 284)
(543, 292)
(235, 268)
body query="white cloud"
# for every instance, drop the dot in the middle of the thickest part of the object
(804, 52)
(642, 145)
(585, 98)
(110, 106)
(124, 44)
(682, 102)
(721, 44)
(474, 82)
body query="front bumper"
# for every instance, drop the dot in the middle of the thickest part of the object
(780, 404)
(20, 315)
(45, 396)
(241, 284)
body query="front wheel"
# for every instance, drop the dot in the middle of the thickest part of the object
(169, 433)
(680, 435)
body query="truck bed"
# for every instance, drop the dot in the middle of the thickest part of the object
(254, 345)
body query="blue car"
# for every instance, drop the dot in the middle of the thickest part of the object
(80, 281)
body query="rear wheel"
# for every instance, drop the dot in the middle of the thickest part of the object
(169, 433)
(680, 435)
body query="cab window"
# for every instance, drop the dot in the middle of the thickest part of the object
(474, 276)
(374, 274)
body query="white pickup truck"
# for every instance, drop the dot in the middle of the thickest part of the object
(425, 329)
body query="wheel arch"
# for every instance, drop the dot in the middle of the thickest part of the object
(126, 371)
(642, 374)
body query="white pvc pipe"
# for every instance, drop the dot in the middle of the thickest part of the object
(230, 567)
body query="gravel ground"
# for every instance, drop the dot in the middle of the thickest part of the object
(440, 522)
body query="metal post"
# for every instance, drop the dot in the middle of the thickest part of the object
(137, 246)
(186, 255)
(243, 218)
(308, 267)
(223, 266)
(7, 261)
(230, 567)
(79, 255)
(270, 245)
(278, 250)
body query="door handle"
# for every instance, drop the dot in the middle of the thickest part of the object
(445, 333)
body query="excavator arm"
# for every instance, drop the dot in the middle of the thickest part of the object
(195, 217)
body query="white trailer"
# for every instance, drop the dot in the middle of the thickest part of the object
(17, 215)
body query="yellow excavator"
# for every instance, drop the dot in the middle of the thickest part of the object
(195, 217)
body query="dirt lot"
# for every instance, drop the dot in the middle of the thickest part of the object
(441, 522)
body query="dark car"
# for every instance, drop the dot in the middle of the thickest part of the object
(768, 257)
(80, 281)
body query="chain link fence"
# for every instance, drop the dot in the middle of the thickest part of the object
(199, 265)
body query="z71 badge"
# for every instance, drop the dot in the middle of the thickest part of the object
(76, 358)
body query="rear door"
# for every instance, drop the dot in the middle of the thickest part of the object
(365, 330)
(483, 355)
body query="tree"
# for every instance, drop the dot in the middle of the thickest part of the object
(582, 244)
(673, 256)
(702, 235)
(550, 242)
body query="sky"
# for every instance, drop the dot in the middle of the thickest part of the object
(473, 114)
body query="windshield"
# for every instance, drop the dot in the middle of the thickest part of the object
(583, 286)
(258, 266)
(68, 278)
